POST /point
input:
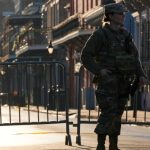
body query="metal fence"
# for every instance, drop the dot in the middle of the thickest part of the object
(33, 93)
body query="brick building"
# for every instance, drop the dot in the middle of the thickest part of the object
(68, 24)
(71, 31)
(82, 18)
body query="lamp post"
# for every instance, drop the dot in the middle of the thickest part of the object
(2, 73)
(77, 67)
(78, 96)
(50, 47)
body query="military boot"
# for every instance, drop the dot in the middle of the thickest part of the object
(101, 142)
(113, 142)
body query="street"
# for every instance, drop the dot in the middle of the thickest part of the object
(50, 137)
(59, 59)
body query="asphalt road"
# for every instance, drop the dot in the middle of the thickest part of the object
(52, 137)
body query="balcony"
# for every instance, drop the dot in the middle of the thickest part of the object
(72, 30)
(67, 26)
(18, 20)
(30, 40)
(94, 16)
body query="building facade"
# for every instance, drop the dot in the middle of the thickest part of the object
(141, 14)
(24, 40)
(5, 10)
(68, 24)
(83, 17)
(70, 29)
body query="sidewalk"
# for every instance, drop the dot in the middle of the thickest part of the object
(128, 116)
(86, 115)
(132, 136)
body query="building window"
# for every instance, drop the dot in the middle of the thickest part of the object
(97, 2)
(76, 6)
(83, 4)
(87, 5)
(72, 7)
(91, 3)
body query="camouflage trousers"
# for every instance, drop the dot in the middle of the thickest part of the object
(111, 96)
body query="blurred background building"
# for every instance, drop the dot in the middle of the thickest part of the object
(32, 24)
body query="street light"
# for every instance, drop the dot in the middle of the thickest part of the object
(50, 47)
(77, 67)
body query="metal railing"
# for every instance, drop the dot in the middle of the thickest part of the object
(34, 93)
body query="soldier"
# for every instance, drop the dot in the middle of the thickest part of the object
(110, 54)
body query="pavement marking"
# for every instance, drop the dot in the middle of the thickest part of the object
(38, 132)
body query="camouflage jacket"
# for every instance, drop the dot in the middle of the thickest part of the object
(105, 42)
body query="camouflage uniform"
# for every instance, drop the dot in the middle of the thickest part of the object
(115, 51)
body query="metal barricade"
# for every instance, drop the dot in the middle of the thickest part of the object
(34, 93)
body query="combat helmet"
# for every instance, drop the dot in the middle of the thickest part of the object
(113, 8)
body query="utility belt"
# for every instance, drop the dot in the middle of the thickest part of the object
(121, 65)
(121, 62)
(125, 64)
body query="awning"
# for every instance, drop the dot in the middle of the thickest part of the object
(72, 35)
(94, 16)
(29, 49)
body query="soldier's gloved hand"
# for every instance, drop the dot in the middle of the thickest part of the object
(105, 72)
(142, 81)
